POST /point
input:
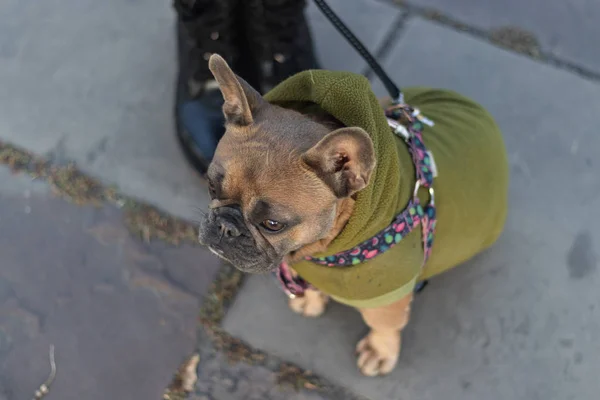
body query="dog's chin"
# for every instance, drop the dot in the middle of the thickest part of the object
(249, 267)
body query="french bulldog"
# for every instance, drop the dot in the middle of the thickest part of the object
(283, 185)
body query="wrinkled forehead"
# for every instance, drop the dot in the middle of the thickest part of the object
(254, 174)
(246, 160)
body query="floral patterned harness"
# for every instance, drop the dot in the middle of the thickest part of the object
(407, 123)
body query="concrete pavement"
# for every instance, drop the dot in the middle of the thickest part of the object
(121, 313)
(518, 322)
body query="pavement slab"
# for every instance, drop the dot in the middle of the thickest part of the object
(567, 29)
(519, 321)
(121, 313)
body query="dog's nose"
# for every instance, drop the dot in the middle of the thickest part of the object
(228, 229)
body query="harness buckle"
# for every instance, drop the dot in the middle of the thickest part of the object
(399, 129)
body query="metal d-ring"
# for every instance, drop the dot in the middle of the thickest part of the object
(430, 189)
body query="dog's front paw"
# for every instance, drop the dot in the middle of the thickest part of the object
(312, 304)
(378, 353)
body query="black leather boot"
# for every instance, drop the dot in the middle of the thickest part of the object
(282, 39)
(205, 27)
(290, 38)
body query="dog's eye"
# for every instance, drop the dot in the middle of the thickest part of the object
(272, 226)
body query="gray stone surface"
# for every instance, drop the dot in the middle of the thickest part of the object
(568, 29)
(93, 82)
(122, 314)
(518, 322)
(371, 22)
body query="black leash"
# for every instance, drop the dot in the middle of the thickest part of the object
(391, 87)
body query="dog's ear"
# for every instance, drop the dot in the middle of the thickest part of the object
(344, 159)
(241, 100)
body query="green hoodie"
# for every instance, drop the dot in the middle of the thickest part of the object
(470, 190)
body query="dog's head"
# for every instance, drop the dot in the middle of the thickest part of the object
(276, 178)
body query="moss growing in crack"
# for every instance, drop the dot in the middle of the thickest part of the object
(221, 293)
(516, 39)
(297, 378)
(69, 183)
(149, 223)
(234, 349)
(435, 15)
(15, 159)
(65, 180)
